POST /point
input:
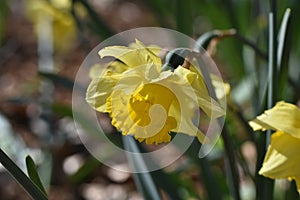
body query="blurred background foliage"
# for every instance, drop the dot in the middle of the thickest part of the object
(43, 43)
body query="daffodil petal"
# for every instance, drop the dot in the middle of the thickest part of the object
(99, 90)
(283, 116)
(153, 49)
(282, 159)
(211, 107)
(205, 102)
(96, 71)
(132, 57)
(222, 89)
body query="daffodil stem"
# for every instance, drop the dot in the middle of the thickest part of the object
(230, 160)
(265, 187)
(144, 180)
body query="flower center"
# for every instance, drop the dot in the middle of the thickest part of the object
(144, 98)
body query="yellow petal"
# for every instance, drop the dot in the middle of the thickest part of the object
(154, 49)
(283, 116)
(103, 83)
(132, 57)
(205, 102)
(99, 90)
(96, 71)
(282, 159)
(222, 89)
(200, 84)
(212, 109)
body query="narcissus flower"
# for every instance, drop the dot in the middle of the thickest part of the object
(146, 102)
(59, 13)
(282, 159)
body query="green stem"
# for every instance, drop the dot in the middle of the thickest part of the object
(141, 175)
(266, 186)
(21, 177)
(230, 160)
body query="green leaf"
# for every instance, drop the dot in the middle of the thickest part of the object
(19, 175)
(282, 35)
(33, 174)
(284, 49)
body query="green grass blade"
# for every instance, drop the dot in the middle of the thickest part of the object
(22, 179)
(33, 174)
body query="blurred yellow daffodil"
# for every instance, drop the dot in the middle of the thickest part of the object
(146, 102)
(59, 14)
(282, 159)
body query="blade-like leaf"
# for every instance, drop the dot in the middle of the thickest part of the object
(284, 48)
(33, 174)
(19, 175)
(282, 35)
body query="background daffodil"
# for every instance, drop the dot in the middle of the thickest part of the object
(146, 102)
(59, 13)
(282, 159)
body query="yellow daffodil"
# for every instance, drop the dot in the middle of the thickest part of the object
(282, 159)
(59, 13)
(146, 102)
